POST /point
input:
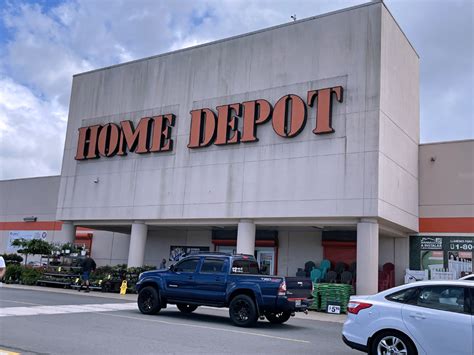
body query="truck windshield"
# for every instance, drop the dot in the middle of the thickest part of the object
(245, 267)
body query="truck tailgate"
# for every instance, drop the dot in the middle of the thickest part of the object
(298, 287)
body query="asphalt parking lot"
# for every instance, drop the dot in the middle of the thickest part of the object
(34, 321)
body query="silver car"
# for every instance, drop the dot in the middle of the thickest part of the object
(425, 317)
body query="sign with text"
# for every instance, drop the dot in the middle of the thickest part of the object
(334, 308)
(28, 235)
(461, 244)
(431, 243)
(288, 117)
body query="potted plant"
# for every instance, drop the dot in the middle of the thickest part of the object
(69, 248)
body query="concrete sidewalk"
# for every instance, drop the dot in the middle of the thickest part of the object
(127, 297)
(312, 315)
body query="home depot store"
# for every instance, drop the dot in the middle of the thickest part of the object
(297, 141)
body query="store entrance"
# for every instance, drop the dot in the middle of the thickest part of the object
(266, 260)
(266, 247)
(265, 257)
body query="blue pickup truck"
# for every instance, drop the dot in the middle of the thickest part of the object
(220, 280)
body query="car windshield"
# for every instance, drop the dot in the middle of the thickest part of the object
(244, 266)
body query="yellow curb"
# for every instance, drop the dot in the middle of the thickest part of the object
(6, 352)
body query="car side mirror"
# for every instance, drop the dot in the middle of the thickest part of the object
(171, 267)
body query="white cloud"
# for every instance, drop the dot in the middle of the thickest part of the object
(31, 132)
(49, 43)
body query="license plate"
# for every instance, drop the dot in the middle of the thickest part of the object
(334, 309)
(298, 303)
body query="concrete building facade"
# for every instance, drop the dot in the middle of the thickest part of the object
(446, 228)
(350, 178)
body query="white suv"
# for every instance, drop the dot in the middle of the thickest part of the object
(426, 317)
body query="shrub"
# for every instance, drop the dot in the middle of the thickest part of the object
(13, 273)
(30, 276)
(18, 273)
(12, 258)
(104, 270)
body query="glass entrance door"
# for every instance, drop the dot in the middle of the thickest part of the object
(265, 257)
(266, 260)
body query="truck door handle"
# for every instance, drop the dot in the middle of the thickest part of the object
(417, 315)
(190, 277)
(218, 278)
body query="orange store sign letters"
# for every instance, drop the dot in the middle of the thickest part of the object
(153, 134)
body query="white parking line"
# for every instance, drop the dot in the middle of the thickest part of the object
(65, 309)
(29, 303)
(211, 328)
(109, 307)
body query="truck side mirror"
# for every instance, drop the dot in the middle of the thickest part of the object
(171, 267)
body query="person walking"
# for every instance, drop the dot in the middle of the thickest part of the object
(3, 269)
(88, 265)
(163, 264)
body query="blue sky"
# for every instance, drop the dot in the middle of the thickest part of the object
(44, 42)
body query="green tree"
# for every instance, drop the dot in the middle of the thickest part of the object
(32, 247)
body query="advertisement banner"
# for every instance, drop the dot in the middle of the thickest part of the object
(28, 235)
(451, 253)
(431, 243)
(177, 252)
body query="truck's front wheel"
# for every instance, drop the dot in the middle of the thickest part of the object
(149, 300)
(278, 318)
(242, 311)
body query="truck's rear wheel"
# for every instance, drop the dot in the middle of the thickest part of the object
(186, 308)
(149, 300)
(242, 311)
(278, 318)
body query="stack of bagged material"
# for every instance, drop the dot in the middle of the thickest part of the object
(331, 293)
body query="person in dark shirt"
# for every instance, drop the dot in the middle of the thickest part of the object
(88, 265)
(163, 264)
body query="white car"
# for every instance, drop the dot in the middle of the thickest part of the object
(469, 277)
(426, 317)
